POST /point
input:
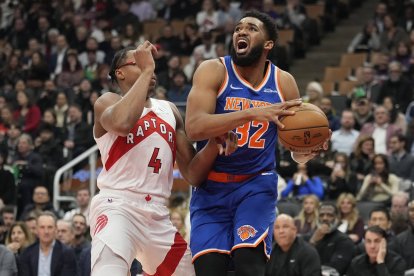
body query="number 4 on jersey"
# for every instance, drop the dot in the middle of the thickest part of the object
(155, 162)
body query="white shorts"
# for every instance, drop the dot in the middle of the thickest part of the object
(134, 228)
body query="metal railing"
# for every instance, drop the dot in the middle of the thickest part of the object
(91, 153)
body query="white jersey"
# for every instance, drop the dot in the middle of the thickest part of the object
(142, 162)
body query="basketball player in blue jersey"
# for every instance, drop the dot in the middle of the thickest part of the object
(233, 211)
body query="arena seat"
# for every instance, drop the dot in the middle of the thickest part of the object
(289, 207)
(365, 207)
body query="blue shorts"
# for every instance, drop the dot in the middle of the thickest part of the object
(227, 216)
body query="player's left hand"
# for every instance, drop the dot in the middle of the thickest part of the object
(227, 143)
(305, 157)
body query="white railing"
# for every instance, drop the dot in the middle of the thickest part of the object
(92, 154)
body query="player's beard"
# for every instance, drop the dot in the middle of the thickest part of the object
(248, 59)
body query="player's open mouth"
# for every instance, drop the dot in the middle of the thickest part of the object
(242, 46)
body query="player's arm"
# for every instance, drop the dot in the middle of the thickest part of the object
(202, 123)
(119, 114)
(290, 91)
(195, 166)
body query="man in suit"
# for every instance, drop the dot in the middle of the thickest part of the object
(47, 256)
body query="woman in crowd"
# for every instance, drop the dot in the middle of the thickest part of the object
(361, 158)
(28, 114)
(306, 220)
(380, 184)
(350, 221)
(342, 179)
(18, 238)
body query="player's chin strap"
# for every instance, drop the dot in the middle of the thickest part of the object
(294, 159)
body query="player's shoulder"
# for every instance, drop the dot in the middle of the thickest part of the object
(211, 64)
(107, 98)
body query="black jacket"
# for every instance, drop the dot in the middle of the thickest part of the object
(393, 265)
(404, 245)
(63, 261)
(336, 250)
(301, 260)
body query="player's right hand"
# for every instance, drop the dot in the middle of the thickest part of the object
(143, 56)
(274, 111)
(227, 143)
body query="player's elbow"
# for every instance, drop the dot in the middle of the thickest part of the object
(194, 131)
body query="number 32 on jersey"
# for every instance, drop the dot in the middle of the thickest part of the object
(254, 141)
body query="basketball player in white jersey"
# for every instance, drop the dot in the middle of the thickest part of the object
(139, 139)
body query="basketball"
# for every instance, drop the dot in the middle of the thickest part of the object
(308, 129)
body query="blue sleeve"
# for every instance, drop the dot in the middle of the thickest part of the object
(315, 187)
(289, 187)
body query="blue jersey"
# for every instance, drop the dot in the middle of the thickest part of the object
(257, 140)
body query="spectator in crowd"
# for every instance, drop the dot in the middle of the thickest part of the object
(81, 230)
(143, 9)
(171, 10)
(326, 106)
(291, 255)
(29, 166)
(380, 216)
(57, 59)
(61, 110)
(47, 256)
(307, 219)
(41, 203)
(344, 139)
(207, 49)
(396, 116)
(361, 158)
(302, 183)
(3, 232)
(8, 214)
(381, 129)
(78, 133)
(124, 16)
(169, 41)
(7, 186)
(38, 72)
(397, 87)
(407, 22)
(18, 238)
(208, 18)
(30, 223)
(370, 87)
(392, 34)
(380, 184)
(8, 265)
(399, 212)
(403, 55)
(131, 36)
(65, 232)
(401, 162)
(28, 114)
(165, 78)
(10, 74)
(335, 249)
(189, 39)
(49, 147)
(404, 242)
(342, 178)
(314, 93)
(376, 260)
(177, 219)
(179, 89)
(47, 96)
(350, 221)
(11, 140)
(83, 197)
(72, 71)
(365, 41)
(362, 109)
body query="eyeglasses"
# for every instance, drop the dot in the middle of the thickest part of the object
(126, 64)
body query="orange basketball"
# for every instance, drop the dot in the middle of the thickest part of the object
(308, 129)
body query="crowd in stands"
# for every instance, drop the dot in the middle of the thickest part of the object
(352, 206)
